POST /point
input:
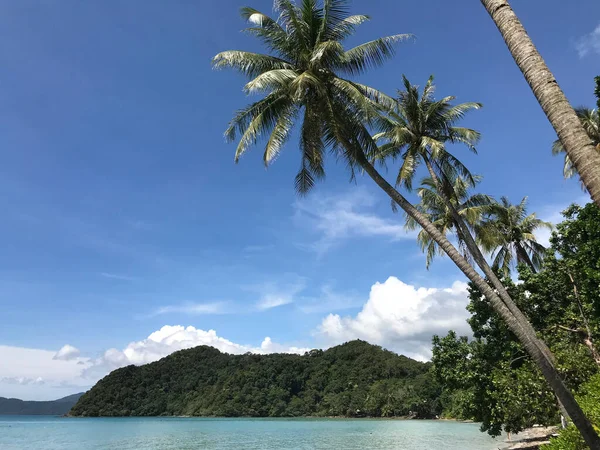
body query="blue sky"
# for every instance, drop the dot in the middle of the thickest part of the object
(123, 211)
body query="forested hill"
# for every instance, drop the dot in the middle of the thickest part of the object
(14, 406)
(352, 379)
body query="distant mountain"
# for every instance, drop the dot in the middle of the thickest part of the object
(353, 379)
(14, 406)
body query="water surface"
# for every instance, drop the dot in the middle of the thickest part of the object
(54, 433)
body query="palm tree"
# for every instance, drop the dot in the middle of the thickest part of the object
(302, 77)
(590, 120)
(508, 234)
(434, 206)
(417, 131)
(419, 128)
(549, 95)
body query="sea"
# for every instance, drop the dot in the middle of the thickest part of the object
(59, 433)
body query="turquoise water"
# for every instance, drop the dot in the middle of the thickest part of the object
(53, 433)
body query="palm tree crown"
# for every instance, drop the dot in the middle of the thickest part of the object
(434, 206)
(302, 76)
(419, 128)
(508, 234)
(590, 119)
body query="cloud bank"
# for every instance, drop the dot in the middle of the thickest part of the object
(401, 317)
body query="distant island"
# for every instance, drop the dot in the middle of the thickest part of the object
(15, 407)
(355, 379)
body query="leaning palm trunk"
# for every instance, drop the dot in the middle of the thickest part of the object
(475, 252)
(465, 234)
(551, 98)
(525, 334)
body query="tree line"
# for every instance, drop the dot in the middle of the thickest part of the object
(355, 379)
(491, 379)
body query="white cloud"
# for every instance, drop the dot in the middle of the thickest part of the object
(590, 43)
(273, 301)
(29, 373)
(337, 218)
(23, 381)
(67, 353)
(272, 294)
(402, 318)
(116, 276)
(193, 309)
(170, 339)
(34, 374)
(268, 346)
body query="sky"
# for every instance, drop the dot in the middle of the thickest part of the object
(128, 232)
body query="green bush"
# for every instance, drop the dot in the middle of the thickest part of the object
(589, 399)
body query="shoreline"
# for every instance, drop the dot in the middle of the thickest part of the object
(399, 418)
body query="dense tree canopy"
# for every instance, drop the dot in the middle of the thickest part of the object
(354, 379)
(491, 379)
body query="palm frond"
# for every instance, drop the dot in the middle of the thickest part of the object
(334, 11)
(268, 81)
(268, 31)
(311, 141)
(466, 136)
(280, 134)
(344, 28)
(379, 97)
(248, 63)
(407, 171)
(242, 119)
(304, 180)
(370, 54)
(261, 124)
(290, 17)
(457, 112)
(353, 94)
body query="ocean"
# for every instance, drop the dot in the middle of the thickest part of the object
(54, 433)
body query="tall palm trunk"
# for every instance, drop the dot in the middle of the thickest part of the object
(525, 335)
(465, 234)
(551, 98)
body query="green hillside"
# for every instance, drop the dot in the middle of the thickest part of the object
(353, 379)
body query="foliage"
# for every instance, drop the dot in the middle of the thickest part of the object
(589, 399)
(303, 77)
(491, 379)
(508, 233)
(348, 380)
(418, 129)
(470, 207)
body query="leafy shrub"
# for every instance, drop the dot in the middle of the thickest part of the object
(589, 399)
